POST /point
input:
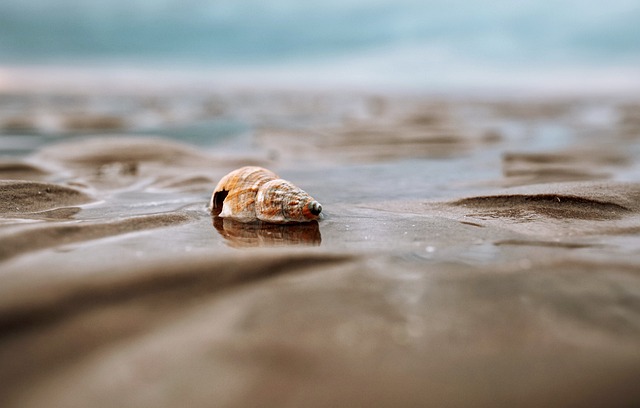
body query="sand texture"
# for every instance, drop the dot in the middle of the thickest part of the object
(472, 252)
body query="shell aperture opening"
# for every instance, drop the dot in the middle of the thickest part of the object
(217, 201)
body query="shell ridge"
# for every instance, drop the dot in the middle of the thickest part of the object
(283, 211)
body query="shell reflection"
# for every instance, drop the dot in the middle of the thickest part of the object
(263, 234)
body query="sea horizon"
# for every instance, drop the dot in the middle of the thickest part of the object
(405, 46)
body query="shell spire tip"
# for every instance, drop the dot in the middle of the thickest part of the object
(315, 208)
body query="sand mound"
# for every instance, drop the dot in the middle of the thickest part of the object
(550, 205)
(19, 197)
(582, 201)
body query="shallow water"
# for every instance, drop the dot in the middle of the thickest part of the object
(491, 246)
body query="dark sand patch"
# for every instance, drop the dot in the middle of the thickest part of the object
(93, 122)
(20, 197)
(581, 156)
(17, 241)
(473, 224)
(19, 124)
(550, 244)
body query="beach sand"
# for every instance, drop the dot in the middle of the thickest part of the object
(473, 252)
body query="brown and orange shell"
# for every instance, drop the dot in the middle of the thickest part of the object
(253, 193)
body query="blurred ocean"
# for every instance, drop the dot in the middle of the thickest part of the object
(406, 44)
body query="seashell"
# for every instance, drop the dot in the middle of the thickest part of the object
(253, 193)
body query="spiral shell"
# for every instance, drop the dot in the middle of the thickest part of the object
(253, 193)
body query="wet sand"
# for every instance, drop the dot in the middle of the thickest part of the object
(473, 252)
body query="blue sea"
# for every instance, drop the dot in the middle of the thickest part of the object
(412, 44)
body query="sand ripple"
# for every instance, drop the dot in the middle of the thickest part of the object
(16, 241)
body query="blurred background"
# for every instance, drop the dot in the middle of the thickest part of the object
(564, 45)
